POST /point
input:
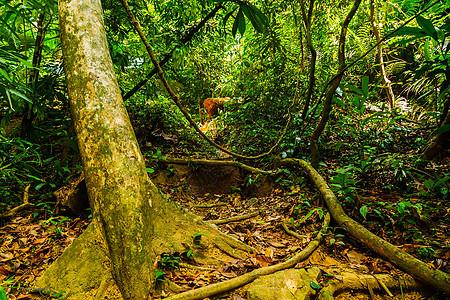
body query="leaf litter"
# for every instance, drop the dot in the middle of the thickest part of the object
(29, 245)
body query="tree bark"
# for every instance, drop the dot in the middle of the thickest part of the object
(119, 189)
(132, 220)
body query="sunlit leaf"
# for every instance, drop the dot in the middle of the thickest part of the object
(2, 294)
(256, 17)
(314, 285)
(363, 210)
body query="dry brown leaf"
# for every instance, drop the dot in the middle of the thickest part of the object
(291, 284)
(354, 257)
(269, 253)
(277, 245)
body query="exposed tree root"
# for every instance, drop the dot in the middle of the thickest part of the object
(180, 161)
(235, 219)
(416, 268)
(292, 233)
(355, 281)
(222, 287)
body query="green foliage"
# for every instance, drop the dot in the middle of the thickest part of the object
(20, 163)
(440, 186)
(433, 64)
(315, 285)
(2, 294)
(160, 275)
(256, 17)
(170, 261)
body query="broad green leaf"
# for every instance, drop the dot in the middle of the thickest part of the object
(363, 210)
(442, 129)
(442, 180)
(355, 89)
(241, 22)
(19, 94)
(314, 285)
(320, 212)
(227, 16)
(410, 31)
(365, 85)
(429, 184)
(5, 74)
(159, 275)
(260, 15)
(3, 294)
(338, 101)
(252, 16)
(150, 170)
(427, 26)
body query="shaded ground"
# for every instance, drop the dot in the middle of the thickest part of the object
(31, 242)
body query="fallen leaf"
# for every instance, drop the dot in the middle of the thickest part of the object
(277, 245)
(291, 284)
(354, 257)
(269, 253)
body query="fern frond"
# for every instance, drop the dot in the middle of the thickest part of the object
(410, 7)
(395, 66)
(364, 31)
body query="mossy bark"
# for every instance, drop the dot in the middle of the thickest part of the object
(132, 221)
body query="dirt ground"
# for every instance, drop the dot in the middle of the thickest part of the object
(31, 241)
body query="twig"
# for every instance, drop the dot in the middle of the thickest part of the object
(235, 219)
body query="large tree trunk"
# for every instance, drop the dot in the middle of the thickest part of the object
(132, 221)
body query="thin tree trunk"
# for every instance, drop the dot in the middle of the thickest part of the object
(307, 20)
(334, 85)
(379, 57)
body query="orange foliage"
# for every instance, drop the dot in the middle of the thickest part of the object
(213, 105)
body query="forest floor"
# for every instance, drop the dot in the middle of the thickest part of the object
(32, 241)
